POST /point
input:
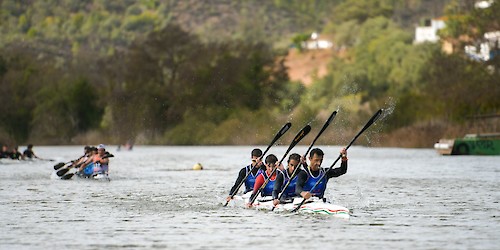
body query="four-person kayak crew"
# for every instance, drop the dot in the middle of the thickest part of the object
(255, 167)
(97, 162)
(303, 183)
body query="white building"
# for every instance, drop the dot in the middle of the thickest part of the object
(429, 33)
(316, 43)
(483, 4)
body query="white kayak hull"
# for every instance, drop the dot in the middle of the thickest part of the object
(314, 206)
(73, 173)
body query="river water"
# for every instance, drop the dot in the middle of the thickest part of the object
(399, 199)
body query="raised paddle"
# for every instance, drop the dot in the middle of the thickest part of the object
(296, 170)
(62, 164)
(276, 137)
(367, 125)
(302, 133)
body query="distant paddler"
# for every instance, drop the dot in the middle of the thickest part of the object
(29, 154)
(4, 153)
(97, 163)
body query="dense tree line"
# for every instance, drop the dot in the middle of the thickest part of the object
(71, 70)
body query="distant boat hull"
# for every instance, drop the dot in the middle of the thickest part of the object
(472, 144)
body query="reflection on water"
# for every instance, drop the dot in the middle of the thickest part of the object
(399, 198)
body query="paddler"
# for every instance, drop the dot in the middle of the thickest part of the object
(101, 161)
(308, 177)
(5, 152)
(87, 151)
(28, 153)
(283, 177)
(271, 163)
(86, 167)
(256, 166)
(16, 155)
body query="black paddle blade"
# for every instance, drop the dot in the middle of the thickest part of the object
(327, 123)
(108, 156)
(62, 172)
(301, 135)
(67, 177)
(282, 131)
(367, 125)
(59, 165)
(330, 119)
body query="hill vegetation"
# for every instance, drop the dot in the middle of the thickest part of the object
(214, 72)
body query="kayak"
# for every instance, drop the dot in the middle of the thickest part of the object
(98, 177)
(313, 206)
(73, 172)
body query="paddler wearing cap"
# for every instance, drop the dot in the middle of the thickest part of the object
(99, 163)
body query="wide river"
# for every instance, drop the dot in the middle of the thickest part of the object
(399, 199)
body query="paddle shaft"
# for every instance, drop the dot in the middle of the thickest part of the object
(367, 125)
(302, 133)
(276, 137)
(296, 170)
(62, 164)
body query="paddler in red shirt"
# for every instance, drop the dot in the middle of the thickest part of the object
(270, 162)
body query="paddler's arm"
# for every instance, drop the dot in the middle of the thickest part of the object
(336, 172)
(259, 181)
(103, 161)
(277, 188)
(299, 186)
(241, 175)
(85, 163)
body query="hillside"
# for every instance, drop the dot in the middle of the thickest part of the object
(308, 65)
